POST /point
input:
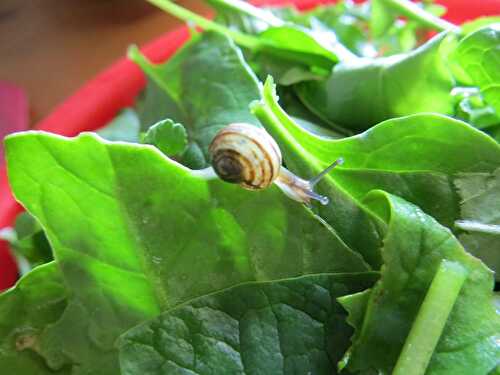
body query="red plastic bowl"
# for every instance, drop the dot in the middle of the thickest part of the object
(99, 100)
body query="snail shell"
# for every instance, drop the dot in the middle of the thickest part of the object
(245, 155)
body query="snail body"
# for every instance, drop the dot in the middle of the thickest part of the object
(246, 155)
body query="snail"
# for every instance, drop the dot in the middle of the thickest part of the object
(246, 155)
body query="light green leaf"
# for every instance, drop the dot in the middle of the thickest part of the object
(292, 326)
(125, 215)
(415, 157)
(479, 55)
(37, 300)
(414, 247)
(168, 136)
(363, 92)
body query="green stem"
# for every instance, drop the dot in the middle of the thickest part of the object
(413, 11)
(186, 15)
(431, 319)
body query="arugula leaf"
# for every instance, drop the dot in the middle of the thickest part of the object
(37, 300)
(363, 92)
(207, 85)
(124, 127)
(291, 326)
(415, 157)
(136, 233)
(168, 136)
(479, 55)
(480, 216)
(414, 246)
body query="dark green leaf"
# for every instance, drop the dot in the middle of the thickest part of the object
(364, 92)
(480, 215)
(136, 233)
(292, 326)
(168, 136)
(26, 310)
(28, 241)
(414, 246)
(207, 85)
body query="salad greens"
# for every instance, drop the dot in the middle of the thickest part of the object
(138, 260)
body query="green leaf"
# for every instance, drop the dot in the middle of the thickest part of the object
(415, 157)
(28, 241)
(291, 42)
(37, 300)
(414, 247)
(363, 92)
(480, 216)
(206, 86)
(168, 136)
(124, 127)
(473, 109)
(479, 55)
(292, 326)
(136, 233)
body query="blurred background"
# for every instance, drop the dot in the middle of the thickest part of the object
(49, 48)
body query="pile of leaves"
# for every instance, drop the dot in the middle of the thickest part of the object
(136, 263)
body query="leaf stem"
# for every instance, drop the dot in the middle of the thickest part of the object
(431, 319)
(413, 11)
(184, 14)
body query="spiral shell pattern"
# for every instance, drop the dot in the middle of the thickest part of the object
(246, 155)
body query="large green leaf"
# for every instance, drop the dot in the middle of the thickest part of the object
(292, 326)
(480, 215)
(205, 86)
(136, 233)
(37, 300)
(363, 92)
(414, 247)
(479, 55)
(415, 157)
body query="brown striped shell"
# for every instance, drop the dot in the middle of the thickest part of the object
(246, 155)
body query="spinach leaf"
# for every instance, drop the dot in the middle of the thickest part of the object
(363, 92)
(124, 127)
(479, 55)
(415, 157)
(291, 326)
(136, 233)
(206, 86)
(480, 216)
(414, 247)
(38, 300)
